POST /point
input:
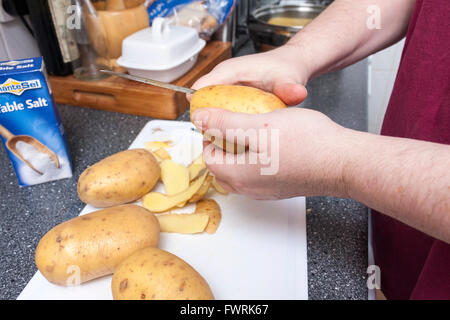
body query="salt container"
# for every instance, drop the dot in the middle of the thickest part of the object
(27, 115)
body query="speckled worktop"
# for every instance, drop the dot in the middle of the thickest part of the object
(337, 228)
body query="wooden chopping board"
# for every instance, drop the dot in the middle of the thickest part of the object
(121, 95)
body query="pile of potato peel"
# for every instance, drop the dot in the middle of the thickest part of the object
(183, 185)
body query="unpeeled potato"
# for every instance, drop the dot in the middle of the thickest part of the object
(93, 245)
(236, 99)
(155, 274)
(118, 179)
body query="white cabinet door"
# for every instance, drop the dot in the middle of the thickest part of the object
(383, 68)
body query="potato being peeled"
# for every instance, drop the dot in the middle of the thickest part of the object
(234, 98)
(93, 245)
(121, 178)
(155, 274)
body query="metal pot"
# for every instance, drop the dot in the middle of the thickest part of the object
(266, 36)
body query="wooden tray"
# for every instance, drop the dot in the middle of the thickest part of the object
(121, 95)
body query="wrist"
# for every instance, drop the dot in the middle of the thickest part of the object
(301, 56)
(297, 60)
(354, 157)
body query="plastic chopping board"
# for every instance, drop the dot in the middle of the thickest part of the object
(258, 252)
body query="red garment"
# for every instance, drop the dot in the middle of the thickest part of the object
(414, 265)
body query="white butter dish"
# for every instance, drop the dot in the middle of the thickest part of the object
(162, 52)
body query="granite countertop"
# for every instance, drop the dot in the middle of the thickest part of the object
(336, 228)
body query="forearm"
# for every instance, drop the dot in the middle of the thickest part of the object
(405, 179)
(340, 35)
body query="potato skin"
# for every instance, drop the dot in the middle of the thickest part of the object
(155, 274)
(118, 179)
(96, 243)
(236, 99)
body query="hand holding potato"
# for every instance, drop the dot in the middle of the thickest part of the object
(306, 158)
(276, 71)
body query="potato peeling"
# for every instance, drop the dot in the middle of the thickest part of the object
(162, 154)
(183, 223)
(218, 187)
(159, 202)
(196, 167)
(211, 208)
(202, 191)
(206, 218)
(174, 176)
(155, 145)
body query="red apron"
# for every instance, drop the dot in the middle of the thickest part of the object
(414, 265)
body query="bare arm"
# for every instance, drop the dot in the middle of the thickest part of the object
(335, 39)
(406, 179)
(340, 36)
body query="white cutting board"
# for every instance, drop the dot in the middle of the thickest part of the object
(258, 252)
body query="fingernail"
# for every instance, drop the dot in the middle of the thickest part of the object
(200, 119)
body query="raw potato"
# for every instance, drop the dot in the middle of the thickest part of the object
(183, 223)
(202, 191)
(182, 205)
(158, 202)
(95, 244)
(211, 208)
(155, 145)
(162, 154)
(196, 167)
(121, 178)
(235, 98)
(206, 218)
(154, 274)
(174, 176)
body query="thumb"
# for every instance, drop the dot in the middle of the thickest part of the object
(221, 119)
(290, 92)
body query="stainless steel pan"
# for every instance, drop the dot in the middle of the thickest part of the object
(266, 36)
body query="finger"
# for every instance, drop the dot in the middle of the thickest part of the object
(224, 124)
(291, 93)
(234, 170)
(212, 78)
(223, 73)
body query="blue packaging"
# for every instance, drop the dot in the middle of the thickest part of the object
(219, 9)
(30, 126)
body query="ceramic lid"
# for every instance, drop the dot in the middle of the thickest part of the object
(160, 47)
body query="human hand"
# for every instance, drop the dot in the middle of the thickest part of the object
(278, 71)
(291, 152)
